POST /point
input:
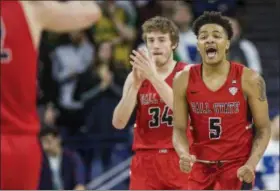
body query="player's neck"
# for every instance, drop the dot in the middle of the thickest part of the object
(165, 68)
(216, 69)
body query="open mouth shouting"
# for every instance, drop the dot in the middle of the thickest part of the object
(211, 52)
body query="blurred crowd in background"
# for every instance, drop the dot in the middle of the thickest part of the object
(81, 75)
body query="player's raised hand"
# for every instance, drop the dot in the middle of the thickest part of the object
(144, 63)
(246, 174)
(186, 162)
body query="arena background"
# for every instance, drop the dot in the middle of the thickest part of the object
(81, 77)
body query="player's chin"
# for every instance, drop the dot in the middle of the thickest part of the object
(212, 61)
(160, 62)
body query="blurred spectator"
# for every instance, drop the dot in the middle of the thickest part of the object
(148, 9)
(129, 8)
(187, 47)
(267, 175)
(100, 88)
(118, 26)
(69, 60)
(48, 89)
(243, 50)
(62, 169)
(226, 7)
(167, 8)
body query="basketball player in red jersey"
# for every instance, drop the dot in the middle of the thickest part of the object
(21, 25)
(217, 95)
(148, 88)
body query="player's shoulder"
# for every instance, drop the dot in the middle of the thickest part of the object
(181, 78)
(186, 70)
(251, 80)
(179, 66)
(250, 76)
(182, 64)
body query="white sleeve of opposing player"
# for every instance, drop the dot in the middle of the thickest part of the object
(252, 55)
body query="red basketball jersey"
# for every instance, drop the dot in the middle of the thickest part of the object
(219, 118)
(18, 72)
(154, 119)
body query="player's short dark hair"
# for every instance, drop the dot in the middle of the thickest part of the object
(45, 131)
(213, 18)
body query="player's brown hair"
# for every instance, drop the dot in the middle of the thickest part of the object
(213, 18)
(161, 24)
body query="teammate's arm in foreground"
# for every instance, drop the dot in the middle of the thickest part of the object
(147, 67)
(180, 114)
(127, 103)
(255, 90)
(66, 16)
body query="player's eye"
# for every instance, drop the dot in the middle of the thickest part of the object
(202, 37)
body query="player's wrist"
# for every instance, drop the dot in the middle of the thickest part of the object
(252, 164)
(154, 78)
(183, 153)
(134, 88)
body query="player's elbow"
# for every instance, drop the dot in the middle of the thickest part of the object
(264, 129)
(178, 130)
(118, 123)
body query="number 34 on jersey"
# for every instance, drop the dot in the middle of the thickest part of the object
(160, 117)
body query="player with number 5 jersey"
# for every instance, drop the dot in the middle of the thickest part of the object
(22, 23)
(148, 88)
(217, 96)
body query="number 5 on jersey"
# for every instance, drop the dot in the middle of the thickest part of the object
(215, 128)
(5, 52)
(159, 118)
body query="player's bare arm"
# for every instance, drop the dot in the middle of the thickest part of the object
(255, 90)
(66, 16)
(180, 114)
(125, 107)
(147, 67)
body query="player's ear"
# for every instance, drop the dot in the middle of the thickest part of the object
(228, 45)
(174, 46)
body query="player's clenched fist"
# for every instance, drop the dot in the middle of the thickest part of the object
(246, 173)
(186, 162)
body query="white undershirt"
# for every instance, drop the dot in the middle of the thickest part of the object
(55, 166)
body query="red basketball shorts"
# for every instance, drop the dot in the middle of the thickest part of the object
(221, 176)
(157, 169)
(20, 162)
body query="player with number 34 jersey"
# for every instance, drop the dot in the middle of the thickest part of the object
(154, 119)
(148, 88)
